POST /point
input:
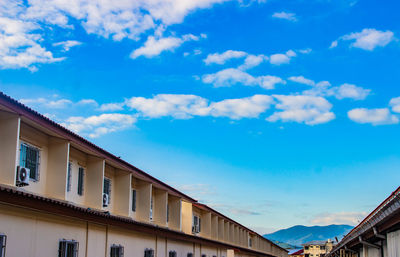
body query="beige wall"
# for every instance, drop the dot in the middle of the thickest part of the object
(175, 213)
(9, 138)
(187, 215)
(160, 200)
(77, 159)
(94, 182)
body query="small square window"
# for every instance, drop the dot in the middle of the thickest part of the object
(149, 253)
(29, 158)
(172, 254)
(3, 241)
(117, 251)
(68, 248)
(203, 255)
(190, 255)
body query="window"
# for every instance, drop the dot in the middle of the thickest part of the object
(189, 255)
(3, 241)
(149, 253)
(68, 248)
(322, 247)
(69, 176)
(133, 200)
(151, 207)
(81, 174)
(203, 255)
(306, 248)
(196, 228)
(172, 254)
(29, 158)
(250, 242)
(117, 251)
(107, 190)
(167, 212)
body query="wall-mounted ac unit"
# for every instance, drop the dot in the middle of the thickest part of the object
(22, 176)
(106, 200)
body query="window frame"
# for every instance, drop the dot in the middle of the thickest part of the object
(69, 176)
(118, 254)
(172, 254)
(134, 199)
(81, 181)
(189, 255)
(65, 252)
(109, 189)
(38, 159)
(148, 252)
(3, 245)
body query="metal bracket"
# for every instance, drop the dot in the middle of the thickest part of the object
(377, 234)
(368, 244)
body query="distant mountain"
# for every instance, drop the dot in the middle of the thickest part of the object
(298, 235)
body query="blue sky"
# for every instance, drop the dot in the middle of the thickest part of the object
(276, 113)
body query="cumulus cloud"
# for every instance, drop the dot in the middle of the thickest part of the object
(67, 45)
(339, 218)
(324, 88)
(177, 106)
(252, 61)
(395, 104)
(379, 116)
(232, 76)
(222, 58)
(23, 25)
(310, 110)
(278, 59)
(188, 106)
(112, 107)
(52, 104)
(285, 15)
(367, 39)
(95, 126)
(249, 107)
(154, 46)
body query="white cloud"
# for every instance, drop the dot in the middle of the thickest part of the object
(324, 88)
(177, 106)
(188, 106)
(305, 51)
(155, 46)
(252, 61)
(339, 218)
(88, 102)
(222, 58)
(231, 76)
(367, 39)
(302, 80)
(278, 59)
(249, 107)
(395, 104)
(112, 107)
(95, 126)
(66, 45)
(310, 110)
(380, 116)
(285, 15)
(52, 104)
(350, 91)
(23, 25)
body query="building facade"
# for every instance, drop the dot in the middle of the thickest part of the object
(378, 235)
(317, 248)
(61, 195)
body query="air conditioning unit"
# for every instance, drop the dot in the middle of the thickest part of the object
(22, 176)
(106, 200)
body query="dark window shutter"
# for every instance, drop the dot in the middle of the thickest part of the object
(81, 175)
(133, 200)
(69, 177)
(199, 224)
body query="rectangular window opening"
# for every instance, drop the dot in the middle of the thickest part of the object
(117, 251)
(68, 248)
(30, 158)
(81, 175)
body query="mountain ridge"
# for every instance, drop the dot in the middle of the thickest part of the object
(299, 234)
